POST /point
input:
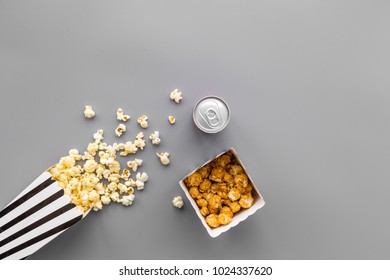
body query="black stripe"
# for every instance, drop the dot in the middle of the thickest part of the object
(40, 237)
(32, 210)
(25, 257)
(25, 197)
(38, 223)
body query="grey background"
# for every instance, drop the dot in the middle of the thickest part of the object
(309, 90)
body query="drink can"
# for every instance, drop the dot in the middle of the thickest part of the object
(211, 114)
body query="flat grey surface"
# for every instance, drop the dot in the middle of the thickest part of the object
(309, 89)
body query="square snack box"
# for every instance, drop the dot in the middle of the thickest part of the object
(240, 216)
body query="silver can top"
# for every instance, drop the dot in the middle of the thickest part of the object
(211, 114)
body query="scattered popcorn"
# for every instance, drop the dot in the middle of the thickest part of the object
(178, 202)
(129, 148)
(171, 119)
(134, 164)
(88, 112)
(140, 180)
(92, 148)
(74, 153)
(143, 121)
(140, 135)
(127, 200)
(120, 129)
(122, 188)
(105, 199)
(154, 137)
(164, 158)
(98, 136)
(140, 143)
(120, 116)
(176, 96)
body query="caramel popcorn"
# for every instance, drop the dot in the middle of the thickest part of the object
(193, 180)
(221, 189)
(246, 201)
(205, 185)
(224, 219)
(217, 174)
(213, 221)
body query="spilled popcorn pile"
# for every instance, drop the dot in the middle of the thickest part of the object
(220, 188)
(95, 178)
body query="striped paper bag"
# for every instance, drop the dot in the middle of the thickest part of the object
(35, 217)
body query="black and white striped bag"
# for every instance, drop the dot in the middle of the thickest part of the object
(35, 217)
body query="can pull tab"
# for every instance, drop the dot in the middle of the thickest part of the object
(210, 114)
(212, 117)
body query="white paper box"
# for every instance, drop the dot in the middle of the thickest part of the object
(242, 215)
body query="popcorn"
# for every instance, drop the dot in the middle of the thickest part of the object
(213, 221)
(176, 96)
(92, 148)
(120, 116)
(90, 165)
(140, 143)
(221, 189)
(143, 121)
(88, 112)
(164, 158)
(129, 148)
(120, 129)
(98, 136)
(74, 153)
(122, 188)
(127, 200)
(178, 202)
(125, 174)
(134, 164)
(114, 196)
(171, 119)
(154, 137)
(140, 135)
(140, 180)
(105, 199)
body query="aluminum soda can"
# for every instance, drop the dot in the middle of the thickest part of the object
(211, 114)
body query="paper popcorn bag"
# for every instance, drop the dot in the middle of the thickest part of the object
(35, 217)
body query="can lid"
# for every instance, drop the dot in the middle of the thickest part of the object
(211, 114)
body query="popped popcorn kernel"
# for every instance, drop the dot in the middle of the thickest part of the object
(134, 164)
(155, 138)
(127, 200)
(141, 178)
(176, 96)
(164, 158)
(213, 221)
(171, 119)
(143, 121)
(98, 136)
(120, 129)
(140, 143)
(74, 153)
(178, 202)
(120, 116)
(224, 219)
(89, 112)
